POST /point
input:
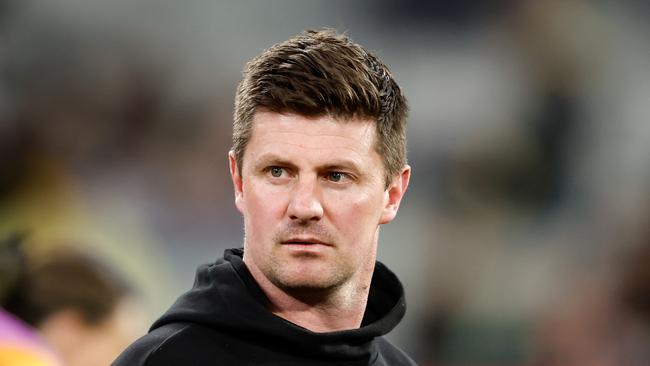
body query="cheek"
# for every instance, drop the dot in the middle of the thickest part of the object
(357, 213)
(263, 205)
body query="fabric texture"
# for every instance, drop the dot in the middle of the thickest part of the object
(223, 320)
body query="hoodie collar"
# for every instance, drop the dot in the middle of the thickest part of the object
(226, 297)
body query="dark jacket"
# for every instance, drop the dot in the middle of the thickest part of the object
(223, 320)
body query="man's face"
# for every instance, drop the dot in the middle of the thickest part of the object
(312, 192)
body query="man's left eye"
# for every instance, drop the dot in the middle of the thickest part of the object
(336, 176)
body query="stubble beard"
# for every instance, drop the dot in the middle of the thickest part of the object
(309, 286)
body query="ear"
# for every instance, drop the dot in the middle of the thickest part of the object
(393, 195)
(236, 181)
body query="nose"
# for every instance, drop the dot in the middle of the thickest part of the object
(305, 202)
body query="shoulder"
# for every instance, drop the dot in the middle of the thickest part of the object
(181, 344)
(156, 345)
(389, 354)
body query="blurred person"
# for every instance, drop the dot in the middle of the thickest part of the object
(87, 114)
(604, 316)
(524, 189)
(601, 320)
(62, 307)
(582, 326)
(634, 296)
(20, 344)
(318, 164)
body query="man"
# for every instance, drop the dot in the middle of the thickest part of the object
(318, 164)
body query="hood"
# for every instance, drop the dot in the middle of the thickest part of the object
(226, 297)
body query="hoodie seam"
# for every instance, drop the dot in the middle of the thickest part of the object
(164, 342)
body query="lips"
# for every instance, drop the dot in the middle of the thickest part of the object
(305, 241)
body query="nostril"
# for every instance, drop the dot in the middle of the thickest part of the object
(298, 220)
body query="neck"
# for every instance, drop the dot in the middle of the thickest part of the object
(319, 310)
(322, 311)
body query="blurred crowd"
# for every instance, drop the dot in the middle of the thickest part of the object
(523, 240)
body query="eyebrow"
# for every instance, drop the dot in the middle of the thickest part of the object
(273, 159)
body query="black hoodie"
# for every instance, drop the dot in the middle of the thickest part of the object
(223, 320)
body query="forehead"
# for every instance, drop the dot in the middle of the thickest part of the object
(312, 136)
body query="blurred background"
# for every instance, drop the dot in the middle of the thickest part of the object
(524, 238)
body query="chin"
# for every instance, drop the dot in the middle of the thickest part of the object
(308, 281)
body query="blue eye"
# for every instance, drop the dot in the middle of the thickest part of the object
(335, 176)
(276, 171)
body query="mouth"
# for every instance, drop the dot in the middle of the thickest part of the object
(304, 241)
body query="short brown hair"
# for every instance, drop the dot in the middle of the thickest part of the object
(63, 279)
(320, 73)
